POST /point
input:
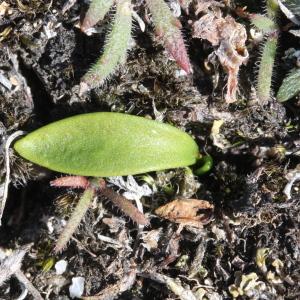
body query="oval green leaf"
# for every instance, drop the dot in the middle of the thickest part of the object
(108, 144)
(290, 86)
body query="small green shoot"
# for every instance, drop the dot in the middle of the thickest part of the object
(167, 28)
(115, 50)
(106, 144)
(267, 24)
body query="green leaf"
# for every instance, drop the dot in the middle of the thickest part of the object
(108, 144)
(290, 86)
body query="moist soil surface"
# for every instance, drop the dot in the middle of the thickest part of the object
(249, 244)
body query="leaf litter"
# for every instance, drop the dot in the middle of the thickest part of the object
(187, 212)
(249, 210)
(228, 37)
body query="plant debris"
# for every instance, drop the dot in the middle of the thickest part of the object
(11, 266)
(242, 241)
(186, 212)
(230, 38)
(292, 176)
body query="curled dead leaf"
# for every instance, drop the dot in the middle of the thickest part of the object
(191, 212)
(230, 38)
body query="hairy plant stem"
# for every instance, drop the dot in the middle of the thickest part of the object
(168, 29)
(266, 67)
(269, 26)
(96, 12)
(115, 49)
(125, 206)
(74, 221)
(92, 186)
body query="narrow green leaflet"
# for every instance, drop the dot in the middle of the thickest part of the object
(265, 72)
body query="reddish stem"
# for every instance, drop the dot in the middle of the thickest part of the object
(71, 181)
(125, 206)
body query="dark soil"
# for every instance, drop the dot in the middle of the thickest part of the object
(256, 148)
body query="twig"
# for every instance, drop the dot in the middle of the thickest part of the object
(67, 6)
(81, 246)
(10, 139)
(11, 266)
(174, 286)
(29, 286)
(109, 240)
(112, 291)
(197, 261)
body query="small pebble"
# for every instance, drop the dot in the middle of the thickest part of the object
(61, 267)
(77, 287)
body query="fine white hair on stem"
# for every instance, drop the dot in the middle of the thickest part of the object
(9, 141)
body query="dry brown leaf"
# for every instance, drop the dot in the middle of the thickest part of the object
(230, 38)
(186, 212)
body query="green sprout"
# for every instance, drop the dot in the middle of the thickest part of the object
(102, 145)
(167, 28)
(291, 84)
(268, 26)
